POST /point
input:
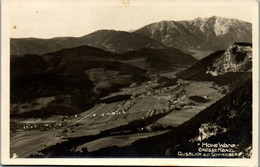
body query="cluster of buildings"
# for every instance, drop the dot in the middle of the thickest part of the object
(150, 113)
(121, 109)
(45, 126)
(152, 89)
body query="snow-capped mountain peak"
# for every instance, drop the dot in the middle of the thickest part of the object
(204, 34)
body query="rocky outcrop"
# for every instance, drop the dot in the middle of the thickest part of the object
(228, 67)
(208, 130)
(237, 58)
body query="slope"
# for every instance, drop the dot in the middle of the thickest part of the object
(199, 35)
(80, 76)
(230, 67)
(232, 113)
(110, 40)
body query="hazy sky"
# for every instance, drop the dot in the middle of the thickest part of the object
(54, 18)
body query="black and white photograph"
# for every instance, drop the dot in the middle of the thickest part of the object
(129, 79)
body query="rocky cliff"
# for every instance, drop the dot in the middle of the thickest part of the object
(237, 58)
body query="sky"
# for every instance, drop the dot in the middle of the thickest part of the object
(56, 18)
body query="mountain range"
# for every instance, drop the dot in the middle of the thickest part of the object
(109, 40)
(201, 34)
(198, 37)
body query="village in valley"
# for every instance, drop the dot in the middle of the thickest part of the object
(164, 104)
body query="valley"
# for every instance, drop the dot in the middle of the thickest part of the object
(155, 111)
(151, 92)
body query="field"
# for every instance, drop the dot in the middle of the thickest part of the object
(32, 141)
(117, 123)
(207, 90)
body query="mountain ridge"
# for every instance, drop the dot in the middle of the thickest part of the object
(198, 36)
(201, 34)
(232, 66)
(109, 40)
(104, 69)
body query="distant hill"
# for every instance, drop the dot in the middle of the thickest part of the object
(146, 62)
(159, 60)
(110, 40)
(84, 74)
(200, 35)
(120, 41)
(83, 69)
